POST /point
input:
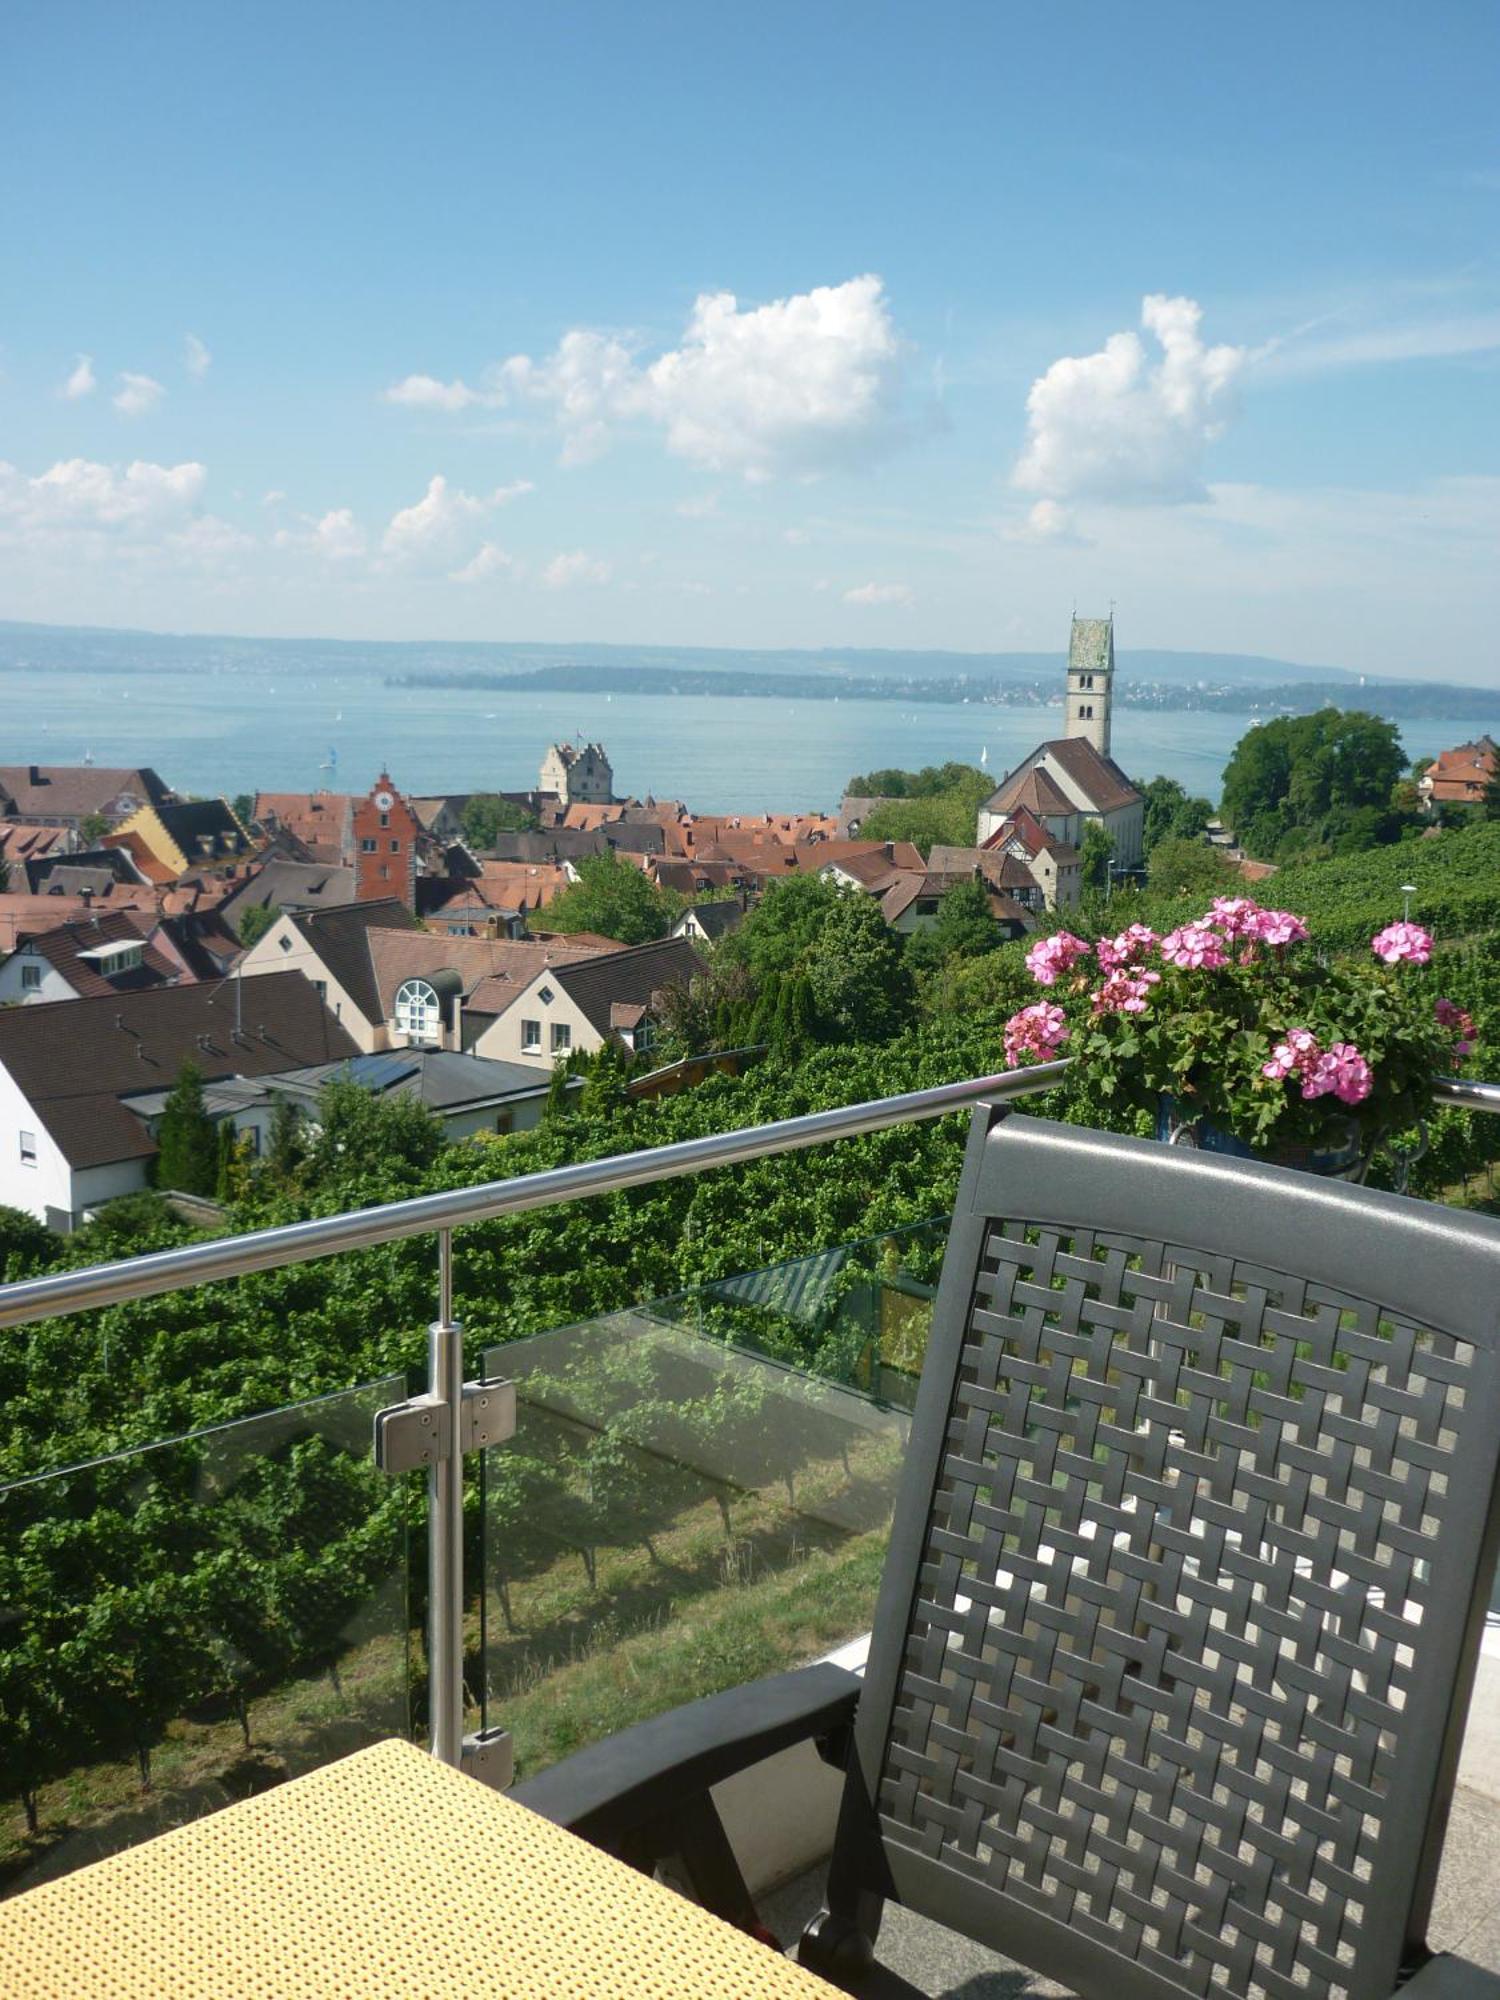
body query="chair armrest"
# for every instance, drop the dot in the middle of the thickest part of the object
(1448, 1977)
(608, 1790)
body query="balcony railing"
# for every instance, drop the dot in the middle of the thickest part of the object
(742, 1434)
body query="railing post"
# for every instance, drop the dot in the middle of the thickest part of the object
(445, 1525)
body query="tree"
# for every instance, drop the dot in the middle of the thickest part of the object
(941, 805)
(356, 1129)
(92, 827)
(964, 928)
(486, 815)
(284, 1147)
(615, 899)
(187, 1144)
(1189, 867)
(1170, 813)
(858, 978)
(1489, 803)
(256, 921)
(244, 808)
(780, 932)
(1096, 854)
(26, 1245)
(1307, 773)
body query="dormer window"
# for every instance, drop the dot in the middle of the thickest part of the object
(112, 959)
(418, 1015)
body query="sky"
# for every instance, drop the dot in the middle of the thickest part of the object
(812, 324)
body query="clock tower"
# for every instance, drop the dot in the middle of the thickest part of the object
(385, 846)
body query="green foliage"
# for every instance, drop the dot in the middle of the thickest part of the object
(615, 899)
(1326, 777)
(859, 983)
(1170, 813)
(256, 921)
(486, 815)
(1095, 856)
(1189, 867)
(92, 827)
(937, 805)
(26, 1245)
(1456, 877)
(1489, 804)
(187, 1145)
(284, 1147)
(963, 928)
(243, 805)
(360, 1135)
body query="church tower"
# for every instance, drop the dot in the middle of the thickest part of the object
(1091, 674)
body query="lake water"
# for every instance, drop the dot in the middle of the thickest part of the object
(228, 730)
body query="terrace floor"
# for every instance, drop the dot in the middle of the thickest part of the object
(944, 1966)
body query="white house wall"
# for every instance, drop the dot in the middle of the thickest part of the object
(268, 956)
(502, 1039)
(53, 986)
(47, 1185)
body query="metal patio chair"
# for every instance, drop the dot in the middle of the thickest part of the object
(1183, 1602)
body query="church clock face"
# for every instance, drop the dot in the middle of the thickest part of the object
(384, 801)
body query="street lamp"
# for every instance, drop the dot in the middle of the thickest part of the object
(1408, 890)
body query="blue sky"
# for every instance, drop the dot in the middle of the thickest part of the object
(796, 325)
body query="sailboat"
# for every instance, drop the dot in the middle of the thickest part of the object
(331, 762)
(984, 758)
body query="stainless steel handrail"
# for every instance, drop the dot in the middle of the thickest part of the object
(357, 1229)
(298, 1242)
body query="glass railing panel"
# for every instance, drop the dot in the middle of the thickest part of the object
(699, 1490)
(191, 1622)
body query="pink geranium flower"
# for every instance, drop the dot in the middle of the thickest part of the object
(1278, 927)
(1195, 947)
(1299, 1054)
(1402, 944)
(1050, 957)
(1125, 993)
(1038, 1030)
(1236, 916)
(1342, 1070)
(1450, 1015)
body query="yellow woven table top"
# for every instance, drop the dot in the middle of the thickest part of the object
(385, 1874)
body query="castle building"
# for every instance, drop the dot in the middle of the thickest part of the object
(386, 831)
(1071, 780)
(579, 774)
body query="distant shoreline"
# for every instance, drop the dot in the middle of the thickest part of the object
(1413, 699)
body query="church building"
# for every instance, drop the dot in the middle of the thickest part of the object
(1072, 780)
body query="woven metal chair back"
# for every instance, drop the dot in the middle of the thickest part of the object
(1188, 1574)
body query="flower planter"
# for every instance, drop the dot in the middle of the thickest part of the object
(1342, 1157)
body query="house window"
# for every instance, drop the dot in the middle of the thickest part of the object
(322, 987)
(531, 1038)
(385, 871)
(28, 1149)
(385, 819)
(644, 1038)
(562, 1038)
(368, 846)
(546, 996)
(31, 978)
(286, 944)
(418, 1015)
(395, 847)
(505, 1121)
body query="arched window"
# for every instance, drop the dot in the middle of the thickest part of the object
(418, 1015)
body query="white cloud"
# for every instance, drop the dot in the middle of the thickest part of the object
(1429, 340)
(336, 536)
(699, 507)
(195, 356)
(575, 566)
(1118, 426)
(82, 382)
(589, 383)
(794, 387)
(426, 392)
(274, 498)
(488, 560)
(78, 493)
(795, 538)
(1046, 522)
(899, 594)
(137, 394)
(433, 529)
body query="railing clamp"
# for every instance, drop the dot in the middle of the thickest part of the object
(419, 1432)
(489, 1756)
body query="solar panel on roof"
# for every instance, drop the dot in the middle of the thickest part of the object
(381, 1071)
